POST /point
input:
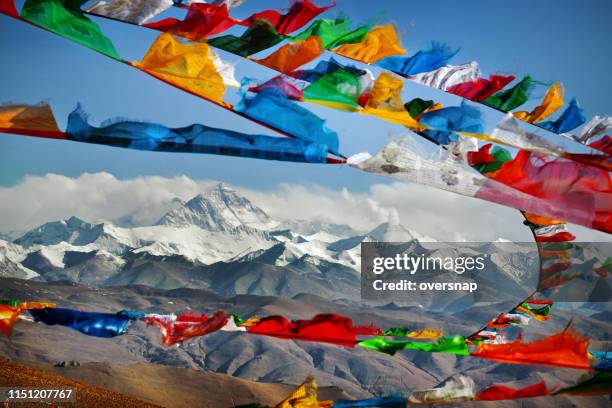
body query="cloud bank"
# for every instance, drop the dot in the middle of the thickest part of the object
(143, 200)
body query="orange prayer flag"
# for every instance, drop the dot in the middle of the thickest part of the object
(30, 117)
(383, 41)
(565, 349)
(291, 56)
(9, 315)
(541, 220)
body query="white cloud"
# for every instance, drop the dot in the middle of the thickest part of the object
(143, 200)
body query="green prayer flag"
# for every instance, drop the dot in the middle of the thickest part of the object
(334, 33)
(260, 36)
(383, 345)
(417, 106)
(557, 246)
(64, 17)
(12, 302)
(237, 319)
(500, 156)
(512, 98)
(452, 345)
(541, 311)
(396, 332)
(339, 86)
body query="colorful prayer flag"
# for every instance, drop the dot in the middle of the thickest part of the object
(65, 18)
(382, 41)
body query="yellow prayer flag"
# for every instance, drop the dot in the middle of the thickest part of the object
(188, 66)
(426, 334)
(304, 396)
(553, 101)
(379, 43)
(386, 101)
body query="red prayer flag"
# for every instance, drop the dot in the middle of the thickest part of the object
(481, 88)
(8, 7)
(500, 392)
(565, 349)
(187, 326)
(583, 190)
(539, 301)
(288, 89)
(300, 13)
(603, 144)
(202, 20)
(563, 236)
(483, 155)
(324, 328)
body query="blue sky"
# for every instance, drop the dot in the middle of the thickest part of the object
(560, 40)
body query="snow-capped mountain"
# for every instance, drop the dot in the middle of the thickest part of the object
(219, 209)
(218, 240)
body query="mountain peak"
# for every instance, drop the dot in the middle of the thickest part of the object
(220, 208)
